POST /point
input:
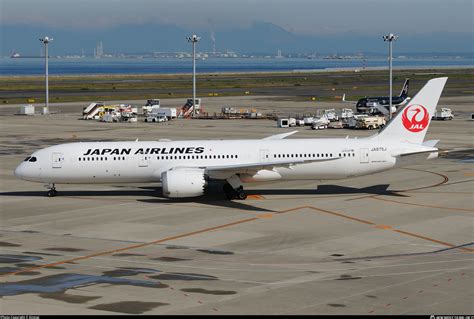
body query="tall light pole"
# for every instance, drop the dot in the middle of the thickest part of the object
(194, 39)
(390, 38)
(45, 41)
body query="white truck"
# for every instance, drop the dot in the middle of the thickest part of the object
(445, 114)
(169, 112)
(283, 123)
(156, 118)
(331, 115)
(308, 120)
(320, 123)
(347, 113)
(150, 105)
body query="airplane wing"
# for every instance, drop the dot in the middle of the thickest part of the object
(264, 165)
(279, 136)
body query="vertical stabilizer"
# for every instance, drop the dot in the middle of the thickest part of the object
(404, 91)
(411, 122)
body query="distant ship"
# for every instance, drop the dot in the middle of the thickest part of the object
(16, 55)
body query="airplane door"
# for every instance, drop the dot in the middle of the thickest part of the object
(57, 160)
(143, 160)
(364, 155)
(264, 156)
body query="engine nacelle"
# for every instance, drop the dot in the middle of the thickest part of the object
(183, 182)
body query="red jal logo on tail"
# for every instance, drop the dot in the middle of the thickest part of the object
(415, 118)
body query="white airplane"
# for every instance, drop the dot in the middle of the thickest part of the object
(185, 167)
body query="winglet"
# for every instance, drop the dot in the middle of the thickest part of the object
(279, 136)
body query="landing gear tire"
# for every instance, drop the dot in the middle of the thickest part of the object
(241, 194)
(231, 193)
(52, 193)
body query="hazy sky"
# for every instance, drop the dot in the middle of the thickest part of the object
(298, 16)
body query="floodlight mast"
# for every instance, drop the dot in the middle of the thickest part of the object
(194, 39)
(390, 38)
(46, 41)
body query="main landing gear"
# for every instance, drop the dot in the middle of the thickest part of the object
(52, 190)
(234, 189)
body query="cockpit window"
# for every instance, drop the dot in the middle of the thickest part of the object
(32, 159)
(27, 159)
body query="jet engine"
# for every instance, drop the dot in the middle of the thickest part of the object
(183, 182)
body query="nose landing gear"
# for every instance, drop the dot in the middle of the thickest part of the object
(52, 190)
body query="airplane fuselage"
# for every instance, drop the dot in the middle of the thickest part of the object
(145, 161)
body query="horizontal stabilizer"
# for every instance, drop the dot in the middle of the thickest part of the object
(430, 143)
(417, 153)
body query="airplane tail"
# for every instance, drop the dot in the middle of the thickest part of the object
(404, 91)
(411, 122)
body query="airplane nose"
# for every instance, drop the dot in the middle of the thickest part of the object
(19, 171)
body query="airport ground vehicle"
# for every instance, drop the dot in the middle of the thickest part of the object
(150, 105)
(331, 115)
(156, 118)
(92, 111)
(346, 113)
(370, 122)
(320, 123)
(283, 123)
(188, 109)
(184, 168)
(336, 124)
(444, 114)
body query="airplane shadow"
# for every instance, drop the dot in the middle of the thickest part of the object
(210, 198)
(381, 189)
(213, 196)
